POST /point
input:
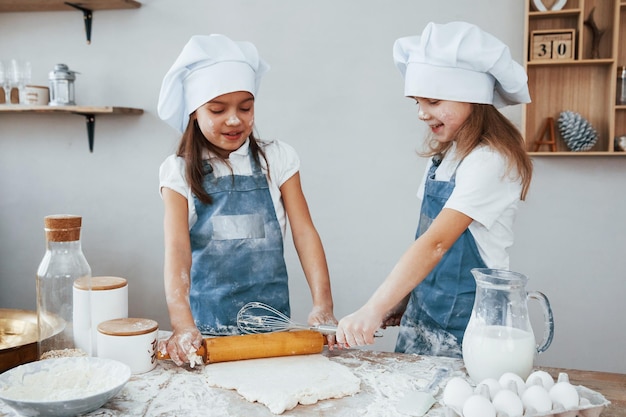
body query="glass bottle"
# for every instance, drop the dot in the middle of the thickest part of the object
(62, 264)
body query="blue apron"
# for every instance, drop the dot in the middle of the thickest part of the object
(439, 307)
(236, 250)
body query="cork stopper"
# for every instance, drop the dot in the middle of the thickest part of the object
(62, 227)
(127, 327)
(100, 283)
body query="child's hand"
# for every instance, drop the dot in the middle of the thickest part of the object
(182, 343)
(318, 316)
(358, 328)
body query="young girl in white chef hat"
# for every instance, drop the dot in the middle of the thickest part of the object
(227, 198)
(457, 74)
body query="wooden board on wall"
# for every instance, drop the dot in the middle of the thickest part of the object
(57, 5)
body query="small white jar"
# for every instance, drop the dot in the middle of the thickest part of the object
(132, 341)
(109, 300)
(36, 94)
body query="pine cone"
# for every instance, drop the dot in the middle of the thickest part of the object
(577, 132)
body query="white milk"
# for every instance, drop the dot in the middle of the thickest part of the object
(490, 351)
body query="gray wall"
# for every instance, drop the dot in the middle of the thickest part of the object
(335, 95)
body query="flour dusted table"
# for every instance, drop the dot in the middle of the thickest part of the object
(172, 391)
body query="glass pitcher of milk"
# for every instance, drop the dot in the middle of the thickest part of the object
(499, 337)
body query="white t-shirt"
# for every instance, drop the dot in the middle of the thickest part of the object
(485, 193)
(282, 158)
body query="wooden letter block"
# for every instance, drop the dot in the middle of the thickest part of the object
(552, 44)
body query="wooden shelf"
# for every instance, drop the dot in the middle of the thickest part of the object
(22, 108)
(87, 7)
(550, 14)
(585, 84)
(570, 62)
(60, 5)
(579, 154)
(89, 112)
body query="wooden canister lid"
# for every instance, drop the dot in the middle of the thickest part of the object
(62, 227)
(100, 283)
(127, 327)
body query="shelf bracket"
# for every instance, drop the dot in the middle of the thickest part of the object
(90, 119)
(87, 16)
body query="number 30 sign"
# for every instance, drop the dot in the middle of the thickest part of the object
(552, 44)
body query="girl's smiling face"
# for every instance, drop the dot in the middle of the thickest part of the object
(444, 118)
(227, 120)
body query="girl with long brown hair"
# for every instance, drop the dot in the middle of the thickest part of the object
(228, 196)
(479, 172)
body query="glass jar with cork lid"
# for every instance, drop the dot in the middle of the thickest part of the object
(62, 264)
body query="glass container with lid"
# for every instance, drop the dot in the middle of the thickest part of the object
(62, 264)
(62, 86)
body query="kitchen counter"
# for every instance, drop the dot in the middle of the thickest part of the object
(169, 390)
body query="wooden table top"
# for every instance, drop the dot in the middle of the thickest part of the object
(385, 377)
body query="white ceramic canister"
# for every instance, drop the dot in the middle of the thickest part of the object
(132, 341)
(36, 94)
(109, 300)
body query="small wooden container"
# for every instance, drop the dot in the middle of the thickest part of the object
(132, 341)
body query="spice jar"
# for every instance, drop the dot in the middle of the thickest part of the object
(620, 93)
(62, 264)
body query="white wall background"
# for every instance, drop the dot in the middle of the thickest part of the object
(335, 95)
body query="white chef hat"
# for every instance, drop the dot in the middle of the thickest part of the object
(458, 61)
(207, 67)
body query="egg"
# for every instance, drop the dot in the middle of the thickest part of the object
(456, 392)
(540, 377)
(492, 385)
(565, 394)
(478, 406)
(506, 401)
(537, 398)
(509, 378)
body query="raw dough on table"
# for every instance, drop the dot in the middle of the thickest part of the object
(281, 383)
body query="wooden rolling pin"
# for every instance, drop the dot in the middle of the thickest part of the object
(254, 346)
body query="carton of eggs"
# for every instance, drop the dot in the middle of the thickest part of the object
(510, 396)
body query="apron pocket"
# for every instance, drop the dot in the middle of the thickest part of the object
(241, 226)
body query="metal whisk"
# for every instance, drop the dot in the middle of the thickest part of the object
(258, 317)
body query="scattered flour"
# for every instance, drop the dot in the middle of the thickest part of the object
(63, 353)
(388, 380)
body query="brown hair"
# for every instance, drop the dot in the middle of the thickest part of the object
(191, 147)
(486, 125)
